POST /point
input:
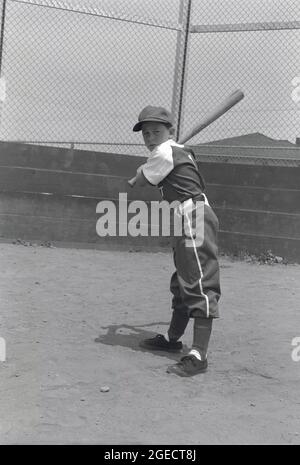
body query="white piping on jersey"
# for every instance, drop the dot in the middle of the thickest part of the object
(193, 160)
(199, 266)
(206, 202)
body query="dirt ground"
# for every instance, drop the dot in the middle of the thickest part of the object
(72, 320)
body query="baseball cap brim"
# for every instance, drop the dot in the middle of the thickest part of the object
(138, 126)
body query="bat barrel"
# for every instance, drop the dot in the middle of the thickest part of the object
(231, 100)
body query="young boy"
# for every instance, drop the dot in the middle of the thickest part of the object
(195, 283)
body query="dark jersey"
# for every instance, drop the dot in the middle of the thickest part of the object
(173, 168)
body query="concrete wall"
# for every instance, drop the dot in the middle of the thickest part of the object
(51, 194)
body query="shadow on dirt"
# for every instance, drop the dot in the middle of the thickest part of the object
(130, 336)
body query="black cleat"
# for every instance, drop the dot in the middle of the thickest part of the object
(189, 365)
(159, 342)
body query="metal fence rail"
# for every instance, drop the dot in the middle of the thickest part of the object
(79, 72)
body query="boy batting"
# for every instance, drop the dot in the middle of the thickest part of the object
(195, 284)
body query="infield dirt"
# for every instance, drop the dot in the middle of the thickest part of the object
(75, 374)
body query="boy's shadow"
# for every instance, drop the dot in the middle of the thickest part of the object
(130, 336)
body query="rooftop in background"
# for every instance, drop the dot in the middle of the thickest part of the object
(254, 139)
(253, 145)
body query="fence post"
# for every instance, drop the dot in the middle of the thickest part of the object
(2, 32)
(181, 64)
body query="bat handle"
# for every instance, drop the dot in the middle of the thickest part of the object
(132, 181)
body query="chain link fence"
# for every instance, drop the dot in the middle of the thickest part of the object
(253, 46)
(79, 72)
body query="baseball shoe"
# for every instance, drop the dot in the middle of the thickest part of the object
(189, 365)
(159, 342)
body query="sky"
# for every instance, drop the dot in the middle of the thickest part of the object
(78, 77)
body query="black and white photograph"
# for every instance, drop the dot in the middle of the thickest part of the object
(149, 225)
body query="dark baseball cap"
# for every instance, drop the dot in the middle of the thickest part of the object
(155, 115)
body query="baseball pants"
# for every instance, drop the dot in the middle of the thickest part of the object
(195, 285)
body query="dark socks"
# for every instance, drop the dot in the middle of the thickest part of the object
(178, 325)
(202, 332)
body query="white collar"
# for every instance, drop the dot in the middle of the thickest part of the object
(164, 146)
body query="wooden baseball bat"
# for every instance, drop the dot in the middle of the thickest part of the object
(222, 108)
